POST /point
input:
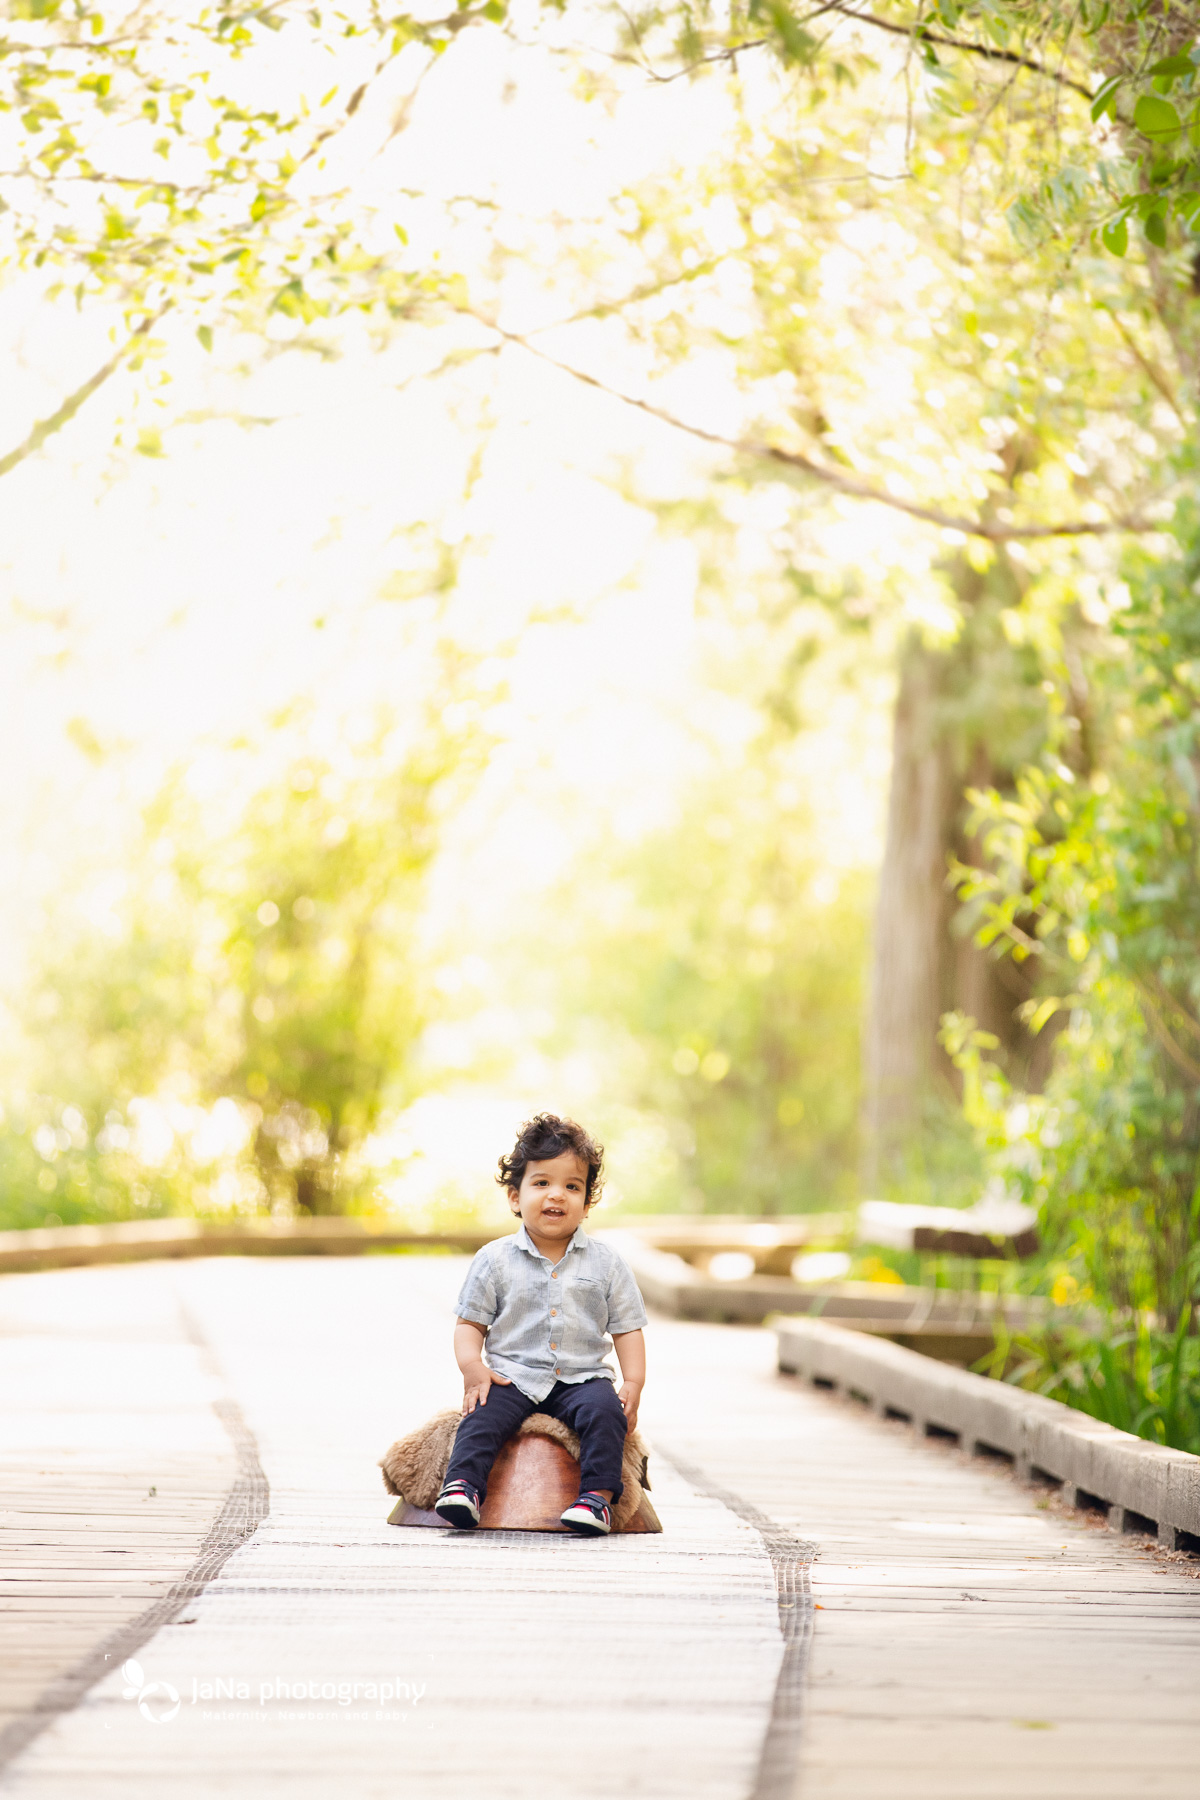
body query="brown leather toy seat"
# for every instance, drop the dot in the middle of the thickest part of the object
(534, 1477)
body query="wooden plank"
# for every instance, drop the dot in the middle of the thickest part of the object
(112, 1456)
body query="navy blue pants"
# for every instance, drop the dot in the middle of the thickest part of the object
(590, 1408)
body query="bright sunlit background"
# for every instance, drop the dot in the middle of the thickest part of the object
(282, 560)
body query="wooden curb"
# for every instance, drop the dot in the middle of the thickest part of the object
(136, 1240)
(957, 1326)
(1141, 1486)
(72, 1246)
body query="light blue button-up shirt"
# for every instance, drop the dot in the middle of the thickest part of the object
(545, 1321)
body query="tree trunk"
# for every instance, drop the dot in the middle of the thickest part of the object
(905, 998)
(966, 717)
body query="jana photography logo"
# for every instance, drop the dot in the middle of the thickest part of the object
(157, 1701)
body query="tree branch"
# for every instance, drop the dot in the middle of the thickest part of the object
(99, 178)
(87, 45)
(993, 54)
(1178, 1055)
(851, 485)
(453, 23)
(46, 428)
(1149, 367)
(729, 54)
(1168, 1001)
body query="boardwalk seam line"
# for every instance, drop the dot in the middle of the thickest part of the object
(244, 1508)
(791, 1562)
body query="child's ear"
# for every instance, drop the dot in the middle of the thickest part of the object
(514, 1201)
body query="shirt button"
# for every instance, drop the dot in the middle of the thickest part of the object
(554, 1312)
(558, 1371)
(554, 1274)
(554, 1346)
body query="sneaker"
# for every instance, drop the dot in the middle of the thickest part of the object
(458, 1505)
(589, 1516)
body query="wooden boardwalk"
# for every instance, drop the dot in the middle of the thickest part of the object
(113, 1465)
(967, 1641)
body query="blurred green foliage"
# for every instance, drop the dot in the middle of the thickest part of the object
(1144, 1379)
(188, 166)
(736, 971)
(895, 328)
(1095, 877)
(229, 1035)
(1112, 90)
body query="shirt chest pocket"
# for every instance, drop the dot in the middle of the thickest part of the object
(589, 1303)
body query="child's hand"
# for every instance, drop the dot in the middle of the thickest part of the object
(476, 1381)
(630, 1394)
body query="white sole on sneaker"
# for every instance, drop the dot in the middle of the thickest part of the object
(584, 1521)
(457, 1512)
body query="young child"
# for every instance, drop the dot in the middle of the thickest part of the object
(548, 1302)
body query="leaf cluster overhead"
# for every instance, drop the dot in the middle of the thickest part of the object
(202, 160)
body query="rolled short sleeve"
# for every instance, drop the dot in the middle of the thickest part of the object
(477, 1297)
(625, 1309)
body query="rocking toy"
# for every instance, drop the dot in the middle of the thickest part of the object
(534, 1477)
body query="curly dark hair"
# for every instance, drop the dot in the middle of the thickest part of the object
(545, 1136)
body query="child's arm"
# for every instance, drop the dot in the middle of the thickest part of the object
(468, 1354)
(630, 1347)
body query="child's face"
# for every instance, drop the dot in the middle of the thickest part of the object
(552, 1199)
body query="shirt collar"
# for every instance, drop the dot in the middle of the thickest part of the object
(523, 1241)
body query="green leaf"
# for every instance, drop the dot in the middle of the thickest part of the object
(1174, 65)
(1157, 119)
(1105, 100)
(204, 333)
(1156, 229)
(1025, 222)
(1187, 208)
(1115, 236)
(796, 43)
